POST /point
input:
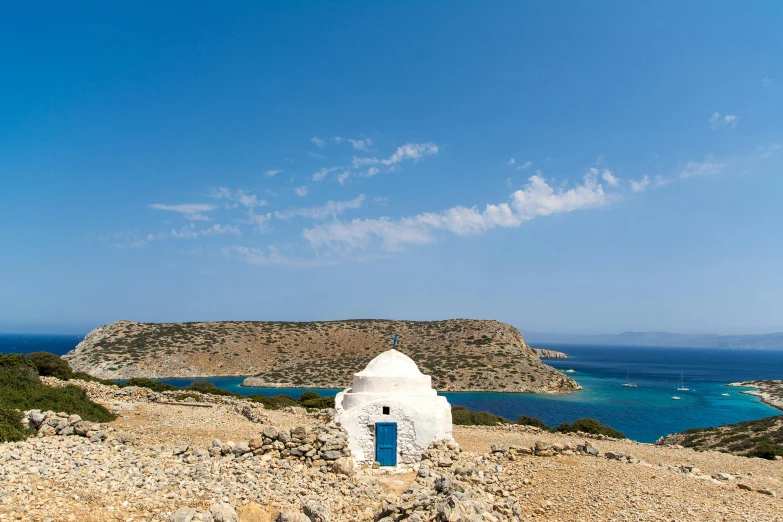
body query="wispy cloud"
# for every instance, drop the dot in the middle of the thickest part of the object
(610, 178)
(644, 183)
(361, 144)
(301, 191)
(317, 155)
(717, 121)
(319, 142)
(191, 232)
(272, 172)
(511, 161)
(766, 82)
(537, 198)
(239, 197)
(321, 174)
(338, 140)
(703, 168)
(525, 165)
(770, 150)
(409, 151)
(260, 221)
(192, 211)
(330, 209)
(343, 177)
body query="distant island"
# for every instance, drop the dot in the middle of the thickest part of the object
(459, 354)
(770, 341)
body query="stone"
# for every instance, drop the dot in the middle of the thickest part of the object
(73, 419)
(203, 516)
(183, 515)
(255, 443)
(722, 476)
(498, 447)
(179, 450)
(328, 455)
(299, 432)
(223, 512)
(254, 513)
(591, 450)
(291, 517)
(317, 511)
(744, 487)
(767, 492)
(240, 449)
(343, 466)
(541, 445)
(36, 417)
(270, 432)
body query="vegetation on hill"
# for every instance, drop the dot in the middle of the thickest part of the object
(758, 438)
(588, 425)
(462, 416)
(21, 389)
(459, 354)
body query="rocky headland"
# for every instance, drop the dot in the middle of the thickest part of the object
(549, 354)
(770, 391)
(169, 457)
(459, 354)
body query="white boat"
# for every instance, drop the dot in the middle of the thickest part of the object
(570, 371)
(682, 383)
(676, 397)
(627, 383)
(725, 394)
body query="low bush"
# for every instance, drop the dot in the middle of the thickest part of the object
(273, 402)
(765, 449)
(524, 420)
(152, 384)
(462, 416)
(208, 387)
(308, 396)
(589, 425)
(21, 389)
(319, 404)
(82, 376)
(50, 365)
(183, 396)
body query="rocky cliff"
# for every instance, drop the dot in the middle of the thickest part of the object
(460, 354)
(549, 354)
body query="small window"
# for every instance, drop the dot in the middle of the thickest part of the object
(386, 410)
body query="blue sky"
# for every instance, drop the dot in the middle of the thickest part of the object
(561, 166)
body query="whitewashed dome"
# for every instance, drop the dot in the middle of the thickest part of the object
(392, 372)
(391, 363)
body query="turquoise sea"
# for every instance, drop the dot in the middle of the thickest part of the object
(643, 413)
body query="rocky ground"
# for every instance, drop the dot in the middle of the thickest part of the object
(459, 354)
(159, 461)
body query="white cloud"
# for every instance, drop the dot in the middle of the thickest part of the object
(191, 232)
(321, 174)
(330, 209)
(192, 211)
(272, 172)
(705, 168)
(525, 165)
(766, 82)
(610, 178)
(261, 221)
(301, 191)
(538, 198)
(316, 155)
(409, 151)
(716, 121)
(372, 171)
(319, 142)
(239, 197)
(511, 161)
(343, 176)
(338, 140)
(639, 186)
(361, 144)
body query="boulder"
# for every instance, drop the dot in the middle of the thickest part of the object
(255, 443)
(270, 432)
(343, 466)
(317, 511)
(328, 455)
(183, 515)
(254, 513)
(82, 427)
(284, 516)
(223, 512)
(36, 417)
(240, 449)
(498, 447)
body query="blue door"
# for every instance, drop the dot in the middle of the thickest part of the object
(386, 443)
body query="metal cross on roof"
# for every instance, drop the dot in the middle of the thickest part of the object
(394, 340)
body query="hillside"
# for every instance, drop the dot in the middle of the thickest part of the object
(758, 438)
(772, 341)
(460, 354)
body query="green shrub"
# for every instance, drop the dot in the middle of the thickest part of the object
(208, 387)
(589, 425)
(308, 396)
(764, 449)
(320, 403)
(144, 382)
(274, 402)
(183, 396)
(524, 420)
(10, 425)
(462, 416)
(50, 365)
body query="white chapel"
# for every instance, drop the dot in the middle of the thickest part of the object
(391, 413)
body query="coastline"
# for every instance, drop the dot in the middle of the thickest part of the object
(770, 392)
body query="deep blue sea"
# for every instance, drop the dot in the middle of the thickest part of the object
(643, 413)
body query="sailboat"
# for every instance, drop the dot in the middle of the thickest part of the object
(627, 383)
(725, 394)
(676, 397)
(682, 383)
